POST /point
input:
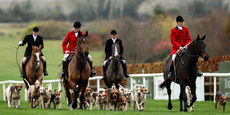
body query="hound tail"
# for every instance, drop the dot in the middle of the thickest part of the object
(162, 85)
(26, 82)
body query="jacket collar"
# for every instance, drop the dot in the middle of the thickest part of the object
(178, 28)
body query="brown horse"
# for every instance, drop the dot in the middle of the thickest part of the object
(78, 73)
(34, 67)
(114, 72)
(186, 71)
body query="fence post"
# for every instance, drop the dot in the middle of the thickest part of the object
(143, 78)
(214, 93)
(131, 83)
(59, 86)
(4, 87)
(50, 84)
(25, 94)
(98, 84)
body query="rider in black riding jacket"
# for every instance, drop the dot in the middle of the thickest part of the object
(108, 52)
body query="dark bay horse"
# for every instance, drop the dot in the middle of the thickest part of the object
(34, 67)
(186, 71)
(114, 72)
(78, 73)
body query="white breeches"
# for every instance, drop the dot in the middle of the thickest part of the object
(173, 57)
(67, 55)
(25, 58)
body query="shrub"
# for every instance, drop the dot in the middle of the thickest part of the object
(51, 30)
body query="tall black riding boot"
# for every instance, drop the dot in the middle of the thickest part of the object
(23, 74)
(91, 68)
(171, 71)
(125, 69)
(44, 69)
(64, 68)
(104, 71)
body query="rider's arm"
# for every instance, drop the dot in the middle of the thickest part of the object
(42, 43)
(173, 39)
(25, 40)
(121, 48)
(65, 42)
(107, 49)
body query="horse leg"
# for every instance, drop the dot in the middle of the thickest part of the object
(184, 97)
(168, 83)
(193, 91)
(66, 86)
(40, 79)
(82, 97)
(72, 85)
(181, 99)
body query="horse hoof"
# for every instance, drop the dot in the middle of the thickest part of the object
(181, 110)
(185, 110)
(170, 107)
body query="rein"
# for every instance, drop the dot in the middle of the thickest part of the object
(17, 57)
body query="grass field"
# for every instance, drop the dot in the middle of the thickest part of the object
(153, 107)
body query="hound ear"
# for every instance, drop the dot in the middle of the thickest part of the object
(136, 86)
(86, 33)
(203, 37)
(198, 37)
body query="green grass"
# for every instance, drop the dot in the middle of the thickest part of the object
(153, 107)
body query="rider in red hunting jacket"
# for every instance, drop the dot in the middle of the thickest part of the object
(179, 37)
(71, 39)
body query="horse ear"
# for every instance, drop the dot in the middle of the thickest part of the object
(79, 33)
(55, 90)
(203, 37)
(60, 91)
(86, 33)
(198, 37)
(39, 47)
(33, 47)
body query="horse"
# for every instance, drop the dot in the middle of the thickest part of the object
(78, 73)
(34, 67)
(185, 71)
(114, 72)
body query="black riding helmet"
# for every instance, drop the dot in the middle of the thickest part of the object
(179, 19)
(77, 24)
(35, 29)
(113, 32)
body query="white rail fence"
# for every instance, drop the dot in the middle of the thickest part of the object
(155, 76)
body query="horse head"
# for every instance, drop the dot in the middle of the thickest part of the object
(82, 47)
(116, 52)
(36, 53)
(200, 48)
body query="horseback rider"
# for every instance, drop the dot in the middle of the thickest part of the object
(72, 39)
(36, 40)
(108, 52)
(179, 37)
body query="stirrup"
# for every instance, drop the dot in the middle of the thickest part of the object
(199, 73)
(126, 75)
(63, 74)
(45, 73)
(93, 74)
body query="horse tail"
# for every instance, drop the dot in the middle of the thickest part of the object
(162, 85)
